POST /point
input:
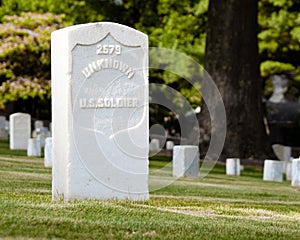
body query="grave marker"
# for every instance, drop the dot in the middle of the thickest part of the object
(273, 171)
(169, 145)
(33, 147)
(48, 152)
(185, 161)
(20, 130)
(100, 112)
(233, 166)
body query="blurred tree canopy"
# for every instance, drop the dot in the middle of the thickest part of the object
(178, 25)
(279, 41)
(25, 56)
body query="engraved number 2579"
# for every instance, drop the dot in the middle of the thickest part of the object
(108, 49)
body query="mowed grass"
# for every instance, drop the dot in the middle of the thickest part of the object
(215, 207)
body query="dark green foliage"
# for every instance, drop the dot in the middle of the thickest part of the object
(279, 40)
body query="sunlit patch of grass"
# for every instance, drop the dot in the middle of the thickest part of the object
(215, 207)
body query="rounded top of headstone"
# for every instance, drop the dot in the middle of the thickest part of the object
(18, 114)
(186, 146)
(91, 33)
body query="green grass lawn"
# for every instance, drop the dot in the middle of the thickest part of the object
(216, 207)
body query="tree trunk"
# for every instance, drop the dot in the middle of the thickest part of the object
(232, 61)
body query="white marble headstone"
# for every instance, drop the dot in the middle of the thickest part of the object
(233, 166)
(273, 171)
(33, 147)
(100, 112)
(20, 129)
(169, 145)
(185, 161)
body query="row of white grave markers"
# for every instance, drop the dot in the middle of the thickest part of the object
(273, 171)
(20, 131)
(34, 149)
(20, 134)
(155, 145)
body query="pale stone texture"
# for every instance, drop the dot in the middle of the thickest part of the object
(33, 147)
(169, 145)
(288, 169)
(154, 145)
(233, 166)
(296, 172)
(7, 126)
(20, 129)
(185, 161)
(48, 152)
(3, 128)
(282, 152)
(42, 134)
(100, 112)
(273, 171)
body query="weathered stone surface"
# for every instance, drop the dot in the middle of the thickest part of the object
(233, 166)
(186, 161)
(20, 129)
(100, 112)
(33, 147)
(273, 171)
(48, 152)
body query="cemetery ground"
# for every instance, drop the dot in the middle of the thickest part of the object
(216, 207)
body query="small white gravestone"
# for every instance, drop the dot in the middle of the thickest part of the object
(169, 145)
(273, 171)
(20, 129)
(33, 147)
(185, 161)
(296, 172)
(233, 166)
(3, 129)
(154, 145)
(100, 112)
(48, 152)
